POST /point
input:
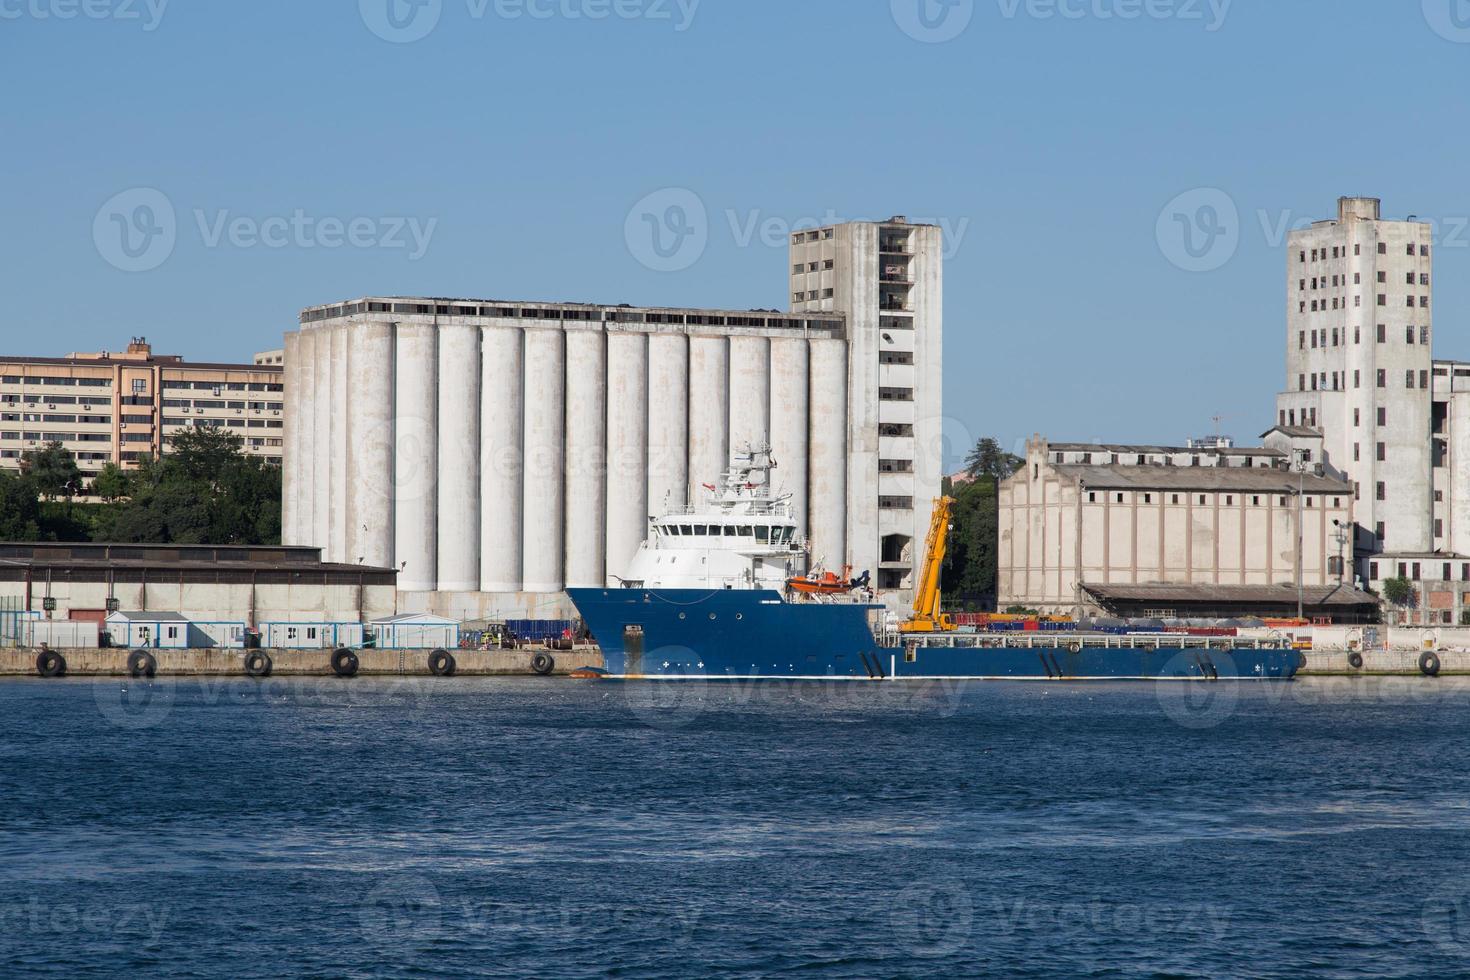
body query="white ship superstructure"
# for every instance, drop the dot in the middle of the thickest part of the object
(743, 536)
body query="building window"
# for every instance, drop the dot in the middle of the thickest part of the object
(1381, 492)
(1356, 457)
(1373, 571)
(1382, 299)
(1382, 452)
(1409, 378)
(1092, 498)
(1382, 415)
(1382, 333)
(1201, 500)
(1382, 378)
(1378, 533)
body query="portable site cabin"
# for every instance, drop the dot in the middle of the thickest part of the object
(310, 636)
(416, 631)
(165, 630)
(173, 631)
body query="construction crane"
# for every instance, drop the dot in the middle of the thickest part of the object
(927, 618)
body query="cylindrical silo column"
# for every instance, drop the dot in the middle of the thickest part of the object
(502, 475)
(416, 442)
(790, 368)
(338, 544)
(291, 458)
(627, 450)
(709, 411)
(459, 458)
(544, 495)
(827, 469)
(306, 443)
(668, 422)
(750, 393)
(319, 472)
(370, 449)
(586, 458)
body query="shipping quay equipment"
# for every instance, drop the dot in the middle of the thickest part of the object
(142, 610)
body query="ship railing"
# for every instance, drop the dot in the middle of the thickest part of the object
(1091, 641)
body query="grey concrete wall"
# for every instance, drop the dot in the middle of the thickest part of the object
(298, 663)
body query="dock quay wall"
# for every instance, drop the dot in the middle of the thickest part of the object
(94, 662)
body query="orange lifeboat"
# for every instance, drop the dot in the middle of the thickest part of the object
(821, 583)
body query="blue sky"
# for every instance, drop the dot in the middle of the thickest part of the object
(300, 151)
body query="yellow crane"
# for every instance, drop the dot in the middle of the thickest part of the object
(927, 618)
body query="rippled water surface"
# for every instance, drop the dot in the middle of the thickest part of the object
(201, 828)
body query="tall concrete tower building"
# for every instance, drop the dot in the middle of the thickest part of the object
(1359, 367)
(888, 278)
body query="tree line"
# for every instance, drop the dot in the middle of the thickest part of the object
(205, 490)
(972, 559)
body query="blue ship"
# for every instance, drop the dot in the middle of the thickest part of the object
(758, 633)
(722, 591)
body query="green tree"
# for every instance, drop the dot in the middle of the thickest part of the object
(204, 490)
(1399, 591)
(52, 470)
(112, 483)
(20, 509)
(974, 538)
(987, 459)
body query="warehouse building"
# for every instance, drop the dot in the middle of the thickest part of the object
(200, 584)
(1082, 526)
(119, 407)
(498, 452)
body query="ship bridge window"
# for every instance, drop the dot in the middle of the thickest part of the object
(729, 530)
(685, 529)
(762, 534)
(746, 530)
(701, 530)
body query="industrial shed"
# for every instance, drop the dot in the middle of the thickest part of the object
(1336, 604)
(416, 631)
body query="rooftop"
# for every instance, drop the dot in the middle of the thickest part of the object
(1313, 595)
(1260, 479)
(594, 312)
(1126, 449)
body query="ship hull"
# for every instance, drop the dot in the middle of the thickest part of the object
(712, 634)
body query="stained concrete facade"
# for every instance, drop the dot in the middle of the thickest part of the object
(499, 452)
(889, 279)
(1360, 323)
(1079, 515)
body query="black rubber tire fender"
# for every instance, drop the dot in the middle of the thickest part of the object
(345, 663)
(441, 663)
(141, 663)
(49, 663)
(543, 664)
(258, 664)
(1355, 660)
(1429, 665)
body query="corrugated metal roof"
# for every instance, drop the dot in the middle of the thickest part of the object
(1314, 595)
(1258, 479)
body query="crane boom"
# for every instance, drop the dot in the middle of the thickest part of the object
(927, 617)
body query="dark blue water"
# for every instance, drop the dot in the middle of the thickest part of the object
(217, 828)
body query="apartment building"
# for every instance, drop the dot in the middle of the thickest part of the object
(888, 278)
(119, 407)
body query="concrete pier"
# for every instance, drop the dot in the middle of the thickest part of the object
(113, 662)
